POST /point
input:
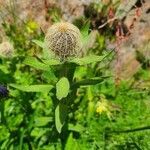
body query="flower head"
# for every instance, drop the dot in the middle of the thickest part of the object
(3, 92)
(64, 39)
(6, 49)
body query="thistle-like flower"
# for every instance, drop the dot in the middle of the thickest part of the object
(3, 91)
(64, 39)
(6, 49)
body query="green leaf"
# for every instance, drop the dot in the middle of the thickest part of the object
(38, 132)
(87, 82)
(42, 121)
(60, 116)
(85, 29)
(71, 143)
(76, 128)
(39, 43)
(49, 76)
(85, 32)
(48, 54)
(4, 135)
(62, 88)
(33, 88)
(87, 59)
(52, 62)
(34, 62)
(21, 139)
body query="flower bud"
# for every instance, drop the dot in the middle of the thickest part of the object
(64, 39)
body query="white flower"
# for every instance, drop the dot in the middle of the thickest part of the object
(64, 39)
(6, 49)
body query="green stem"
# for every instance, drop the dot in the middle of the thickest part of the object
(2, 104)
(66, 70)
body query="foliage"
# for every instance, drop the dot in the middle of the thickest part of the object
(69, 105)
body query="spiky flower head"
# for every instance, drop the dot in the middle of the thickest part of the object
(64, 39)
(6, 49)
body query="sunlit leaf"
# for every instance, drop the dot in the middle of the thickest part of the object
(39, 43)
(71, 143)
(87, 59)
(62, 88)
(34, 62)
(37, 132)
(76, 128)
(33, 88)
(42, 121)
(60, 116)
(52, 62)
(85, 32)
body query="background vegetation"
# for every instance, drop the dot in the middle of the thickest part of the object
(111, 108)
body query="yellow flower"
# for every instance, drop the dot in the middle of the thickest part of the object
(103, 107)
(32, 26)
